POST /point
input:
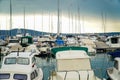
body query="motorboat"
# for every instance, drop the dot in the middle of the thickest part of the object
(32, 47)
(72, 63)
(114, 72)
(2, 42)
(20, 66)
(12, 42)
(113, 41)
(14, 45)
(71, 40)
(86, 42)
(4, 51)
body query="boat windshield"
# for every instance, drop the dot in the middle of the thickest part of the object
(114, 40)
(25, 40)
(4, 75)
(24, 61)
(13, 41)
(10, 60)
(20, 77)
(19, 60)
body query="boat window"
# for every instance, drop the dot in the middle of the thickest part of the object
(114, 40)
(25, 40)
(116, 65)
(11, 60)
(24, 61)
(4, 75)
(36, 74)
(32, 75)
(20, 76)
(33, 60)
(13, 41)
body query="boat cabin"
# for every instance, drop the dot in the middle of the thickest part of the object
(20, 66)
(72, 63)
(26, 41)
(113, 41)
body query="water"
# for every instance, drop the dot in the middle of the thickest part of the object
(99, 64)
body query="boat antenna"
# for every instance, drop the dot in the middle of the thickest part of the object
(18, 52)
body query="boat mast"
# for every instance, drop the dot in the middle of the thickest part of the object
(42, 22)
(58, 25)
(69, 19)
(79, 23)
(51, 23)
(24, 23)
(10, 17)
(103, 22)
(34, 24)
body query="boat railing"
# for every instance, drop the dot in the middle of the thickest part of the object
(53, 73)
(69, 71)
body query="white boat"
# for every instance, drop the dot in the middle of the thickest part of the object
(32, 47)
(2, 42)
(72, 63)
(114, 72)
(71, 41)
(14, 45)
(20, 66)
(113, 41)
(44, 48)
(86, 42)
(4, 50)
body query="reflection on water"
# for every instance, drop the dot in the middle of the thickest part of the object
(99, 64)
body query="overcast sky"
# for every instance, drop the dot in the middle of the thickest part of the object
(90, 9)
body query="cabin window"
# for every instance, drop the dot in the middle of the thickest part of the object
(116, 65)
(24, 61)
(33, 60)
(114, 40)
(13, 41)
(20, 76)
(34, 75)
(10, 60)
(4, 76)
(25, 40)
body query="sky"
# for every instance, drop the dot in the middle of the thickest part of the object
(75, 16)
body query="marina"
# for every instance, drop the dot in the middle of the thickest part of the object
(99, 64)
(59, 40)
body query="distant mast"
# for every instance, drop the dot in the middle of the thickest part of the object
(10, 17)
(103, 22)
(42, 22)
(24, 23)
(58, 27)
(79, 23)
(34, 25)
